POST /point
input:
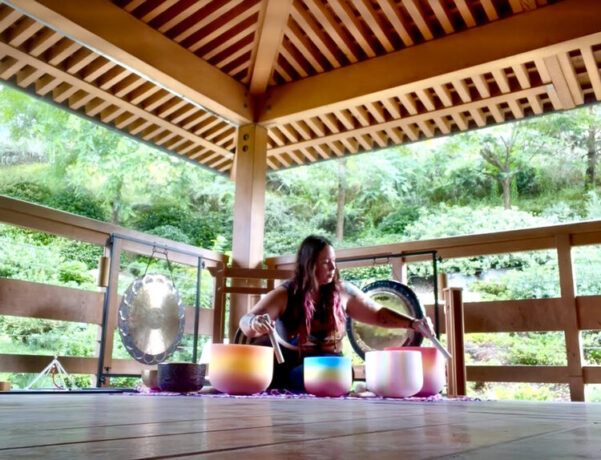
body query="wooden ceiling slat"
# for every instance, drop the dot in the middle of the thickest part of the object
(308, 155)
(501, 80)
(322, 42)
(481, 85)
(443, 125)
(163, 6)
(112, 77)
(490, 10)
(63, 91)
(535, 104)
(455, 112)
(426, 99)
(132, 5)
(43, 42)
(380, 138)
(27, 76)
(289, 133)
(182, 15)
(25, 29)
(62, 51)
(195, 120)
(371, 18)
(593, 70)
(377, 112)
(170, 107)
(46, 84)
(79, 99)
(442, 15)
(303, 45)
(352, 25)
(8, 16)
(570, 75)
(139, 126)
(516, 109)
(301, 128)
(185, 112)
(123, 121)
(244, 35)
(127, 85)
(156, 100)
(395, 135)
(466, 12)
(521, 73)
(288, 54)
(330, 121)
(361, 115)
(392, 107)
(316, 125)
(460, 121)
(9, 67)
(173, 145)
(463, 90)
(98, 67)
(345, 118)
(411, 132)
(496, 113)
(201, 19)
(237, 22)
(395, 18)
(96, 106)
(78, 60)
(365, 142)
(112, 113)
(164, 138)
(206, 126)
(332, 28)
(424, 127)
(478, 117)
(444, 94)
(276, 136)
(409, 103)
(417, 14)
(350, 145)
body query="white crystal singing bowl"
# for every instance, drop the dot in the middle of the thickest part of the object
(434, 365)
(394, 373)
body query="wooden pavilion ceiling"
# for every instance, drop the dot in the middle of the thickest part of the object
(327, 78)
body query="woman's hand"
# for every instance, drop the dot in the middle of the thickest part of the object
(255, 325)
(423, 326)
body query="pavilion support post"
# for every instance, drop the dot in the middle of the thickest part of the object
(569, 318)
(249, 211)
(456, 373)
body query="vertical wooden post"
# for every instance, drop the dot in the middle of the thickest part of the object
(249, 212)
(399, 269)
(456, 385)
(113, 306)
(219, 304)
(569, 318)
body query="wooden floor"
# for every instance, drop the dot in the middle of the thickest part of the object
(118, 426)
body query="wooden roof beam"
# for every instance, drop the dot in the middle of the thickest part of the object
(543, 32)
(270, 34)
(144, 50)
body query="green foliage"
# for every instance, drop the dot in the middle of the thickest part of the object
(537, 282)
(28, 191)
(78, 201)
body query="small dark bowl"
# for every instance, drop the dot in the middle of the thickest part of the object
(181, 377)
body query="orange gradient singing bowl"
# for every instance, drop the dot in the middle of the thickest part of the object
(240, 369)
(393, 373)
(434, 366)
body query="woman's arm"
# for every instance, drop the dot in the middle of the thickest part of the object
(362, 308)
(272, 304)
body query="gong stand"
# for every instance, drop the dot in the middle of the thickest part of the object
(103, 372)
(435, 261)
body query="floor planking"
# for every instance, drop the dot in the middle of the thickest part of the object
(122, 426)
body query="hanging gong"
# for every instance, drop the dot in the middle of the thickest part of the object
(151, 318)
(397, 297)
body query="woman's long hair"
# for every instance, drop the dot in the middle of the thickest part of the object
(306, 288)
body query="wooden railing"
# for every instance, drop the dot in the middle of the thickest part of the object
(568, 313)
(35, 300)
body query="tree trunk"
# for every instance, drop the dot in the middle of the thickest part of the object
(506, 184)
(341, 200)
(591, 160)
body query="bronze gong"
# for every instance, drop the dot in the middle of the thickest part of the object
(151, 318)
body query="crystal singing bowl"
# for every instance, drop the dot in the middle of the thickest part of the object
(240, 369)
(433, 363)
(327, 375)
(394, 373)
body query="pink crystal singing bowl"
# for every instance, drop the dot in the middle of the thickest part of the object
(394, 373)
(433, 363)
(240, 369)
(327, 375)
